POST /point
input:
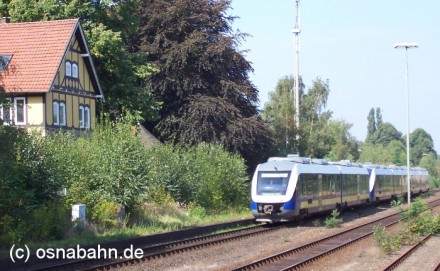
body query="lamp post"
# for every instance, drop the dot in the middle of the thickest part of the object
(406, 45)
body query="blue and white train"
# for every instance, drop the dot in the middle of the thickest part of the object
(284, 188)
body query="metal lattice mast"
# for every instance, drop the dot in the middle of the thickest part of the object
(296, 30)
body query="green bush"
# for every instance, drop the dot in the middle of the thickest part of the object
(104, 168)
(104, 214)
(50, 221)
(387, 242)
(333, 221)
(205, 175)
(28, 181)
(415, 209)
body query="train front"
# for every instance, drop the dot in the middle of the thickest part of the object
(273, 188)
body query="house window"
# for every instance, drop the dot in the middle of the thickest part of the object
(87, 117)
(20, 111)
(62, 114)
(5, 112)
(75, 70)
(59, 113)
(14, 112)
(56, 113)
(84, 117)
(68, 69)
(81, 116)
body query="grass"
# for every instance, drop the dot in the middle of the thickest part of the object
(147, 220)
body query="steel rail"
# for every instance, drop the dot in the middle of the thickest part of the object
(163, 250)
(300, 256)
(143, 242)
(405, 255)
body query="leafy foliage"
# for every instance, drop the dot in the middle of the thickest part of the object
(106, 166)
(204, 175)
(202, 79)
(28, 180)
(333, 221)
(279, 112)
(421, 144)
(320, 136)
(418, 221)
(387, 242)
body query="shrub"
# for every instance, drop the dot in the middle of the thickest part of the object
(103, 169)
(333, 221)
(104, 214)
(49, 221)
(387, 242)
(205, 175)
(29, 181)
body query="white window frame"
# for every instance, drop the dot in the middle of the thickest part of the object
(56, 113)
(2, 110)
(24, 111)
(81, 116)
(74, 70)
(13, 116)
(87, 117)
(62, 113)
(68, 69)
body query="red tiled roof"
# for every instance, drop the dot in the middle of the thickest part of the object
(37, 49)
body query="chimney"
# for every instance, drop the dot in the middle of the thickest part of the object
(5, 20)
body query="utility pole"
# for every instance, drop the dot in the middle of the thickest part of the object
(296, 30)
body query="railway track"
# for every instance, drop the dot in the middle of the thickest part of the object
(144, 242)
(301, 256)
(162, 250)
(405, 255)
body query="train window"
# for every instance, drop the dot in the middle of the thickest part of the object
(309, 184)
(363, 184)
(272, 183)
(329, 186)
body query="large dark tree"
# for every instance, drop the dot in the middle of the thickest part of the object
(203, 78)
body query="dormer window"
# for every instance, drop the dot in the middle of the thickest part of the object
(4, 61)
(71, 69)
(68, 69)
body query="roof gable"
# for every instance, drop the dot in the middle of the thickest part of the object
(37, 50)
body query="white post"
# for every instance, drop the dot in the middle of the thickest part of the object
(408, 174)
(79, 212)
(296, 30)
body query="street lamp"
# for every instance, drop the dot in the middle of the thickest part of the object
(406, 45)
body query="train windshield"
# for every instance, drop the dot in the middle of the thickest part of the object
(273, 184)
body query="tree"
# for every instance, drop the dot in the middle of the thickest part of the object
(378, 117)
(431, 163)
(279, 113)
(344, 146)
(371, 128)
(421, 144)
(315, 142)
(386, 133)
(202, 78)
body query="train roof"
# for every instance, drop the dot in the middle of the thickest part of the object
(316, 166)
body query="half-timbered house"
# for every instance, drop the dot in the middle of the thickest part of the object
(48, 76)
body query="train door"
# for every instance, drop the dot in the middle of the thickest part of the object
(319, 192)
(358, 190)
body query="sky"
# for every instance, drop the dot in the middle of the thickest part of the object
(351, 43)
